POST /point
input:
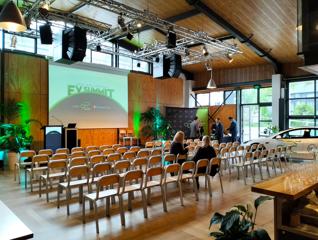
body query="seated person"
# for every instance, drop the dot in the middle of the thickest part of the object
(177, 146)
(205, 152)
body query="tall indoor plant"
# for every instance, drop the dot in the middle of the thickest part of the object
(239, 223)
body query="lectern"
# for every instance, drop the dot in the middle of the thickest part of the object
(70, 136)
(53, 136)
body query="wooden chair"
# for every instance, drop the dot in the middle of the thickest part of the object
(105, 182)
(224, 155)
(59, 156)
(20, 163)
(108, 151)
(150, 183)
(133, 176)
(264, 160)
(202, 169)
(187, 172)
(95, 160)
(143, 153)
(78, 154)
(157, 144)
(134, 149)
(113, 157)
(62, 150)
(92, 153)
(181, 158)
(48, 152)
(257, 161)
(166, 147)
(115, 146)
(78, 176)
(140, 163)
(121, 167)
(129, 156)
(56, 169)
(103, 147)
(172, 169)
(91, 148)
(155, 161)
(77, 149)
(121, 150)
(99, 170)
(77, 161)
(271, 157)
(156, 151)
(169, 158)
(215, 165)
(149, 144)
(35, 168)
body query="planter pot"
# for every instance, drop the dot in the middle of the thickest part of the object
(12, 159)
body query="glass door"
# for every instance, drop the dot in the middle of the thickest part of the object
(250, 120)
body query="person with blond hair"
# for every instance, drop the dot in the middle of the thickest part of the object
(177, 146)
(204, 152)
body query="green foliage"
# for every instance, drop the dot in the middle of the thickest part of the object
(13, 137)
(303, 109)
(155, 124)
(10, 109)
(239, 222)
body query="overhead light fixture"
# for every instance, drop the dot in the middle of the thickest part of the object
(230, 58)
(138, 64)
(13, 43)
(11, 18)
(139, 25)
(129, 36)
(98, 48)
(211, 83)
(205, 51)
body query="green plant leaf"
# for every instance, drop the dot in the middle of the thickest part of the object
(216, 219)
(241, 208)
(260, 234)
(230, 220)
(258, 201)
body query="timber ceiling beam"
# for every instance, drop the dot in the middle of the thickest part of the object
(199, 5)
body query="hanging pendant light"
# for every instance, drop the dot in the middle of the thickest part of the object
(211, 83)
(11, 18)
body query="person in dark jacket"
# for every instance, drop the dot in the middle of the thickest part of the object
(205, 152)
(177, 146)
(233, 129)
(218, 130)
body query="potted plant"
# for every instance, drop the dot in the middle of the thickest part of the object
(239, 223)
(13, 138)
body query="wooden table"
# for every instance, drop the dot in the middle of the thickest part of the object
(11, 227)
(286, 189)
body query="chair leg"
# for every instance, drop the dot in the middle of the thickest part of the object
(260, 170)
(19, 175)
(31, 181)
(195, 188)
(267, 169)
(121, 208)
(129, 202)
(148, 196)
(221, 183)
(144, 203)
(47, 191)
(83, 211)
(244, 169)
(253, 171)
(15, 172)
(58, 196)
(40, 187)
(180, 192)
(68, 197)
(96, 217)
(25, 178)
(164, 204)
(209, 185)
(108, 206)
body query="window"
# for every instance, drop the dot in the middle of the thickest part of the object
(230, 97)
(300, 122)
(265, 95)
(301, 107)
(203, 99)
(15, 42)
(299, 133)
(304, 89)
(249, 96)
(101, 58)
(216, 98)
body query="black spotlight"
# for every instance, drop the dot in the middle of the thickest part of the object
(129, 36)
(98, 48)
(138, 64)
(46, 34)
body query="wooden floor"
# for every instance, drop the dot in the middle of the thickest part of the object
(188, 222)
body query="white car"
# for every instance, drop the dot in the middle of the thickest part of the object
(303, 139)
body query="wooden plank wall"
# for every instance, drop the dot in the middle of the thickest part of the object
(26, 80)
(224, 112)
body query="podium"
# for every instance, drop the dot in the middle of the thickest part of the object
(58, 136)
(70, 137)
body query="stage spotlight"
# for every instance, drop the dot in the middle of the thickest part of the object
(205, 51)
(230, 58)
(139, 25)
(121, 22)
(98, 48)
(138, 64)
(129, 36)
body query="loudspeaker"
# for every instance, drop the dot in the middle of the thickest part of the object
(171, 39)
(74, 44)
(175, 66)
(46, 34)
(309, 26)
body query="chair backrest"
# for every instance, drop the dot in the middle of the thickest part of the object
(167, 146)
(62, 150)
(113, 157)
(155, 171)
(215, 161)
(78, 161)
(58, 156)
(115, 146)
(169, 158)
(134, 149)
(48, 152)
(154, 161)
(202, 166)
(224, 152)
(257, 154)
(53, 165)
(248, 148)
(78, 154)
(78, 172)
(122, 165)
(232, 151)
(216, 146)
(264, 153)
(149, 144)
(143, 153)
(96, 159)
(182, 157)
(40, 158)
(172, 168)
(158, 144)
(108, 151)
(121, 150)
(100, 169)
(106, 181)
(77, 149)
(236, 144)
(248, 156)
(272, 151)
(91, 148)
(27, 154)
(156, 151)
(93, 153)
(228, 145)
(139, 163)
(133, 175)
(222, 145)
(186, 166)
(103, 147)
(129, 155)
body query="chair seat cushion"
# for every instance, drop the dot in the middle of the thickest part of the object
(102, 194)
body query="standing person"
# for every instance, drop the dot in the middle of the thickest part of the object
(233, 129)
(218, 130)
(205, 152)
(195, 128)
